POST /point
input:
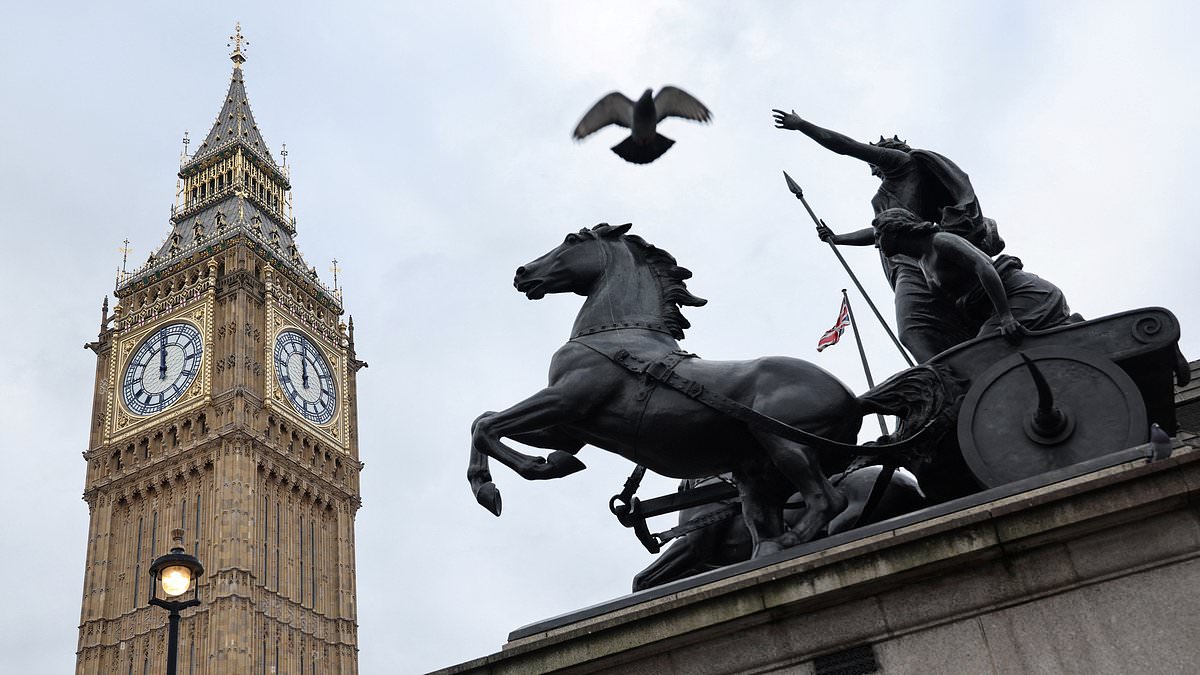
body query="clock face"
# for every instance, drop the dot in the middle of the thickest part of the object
(304, 375)
(162, 368)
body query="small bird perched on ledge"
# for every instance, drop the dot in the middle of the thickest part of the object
(644, 144)
(1160, 443)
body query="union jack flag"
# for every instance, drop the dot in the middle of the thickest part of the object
(834, 334)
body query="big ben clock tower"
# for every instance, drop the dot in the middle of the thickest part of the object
(225, 406)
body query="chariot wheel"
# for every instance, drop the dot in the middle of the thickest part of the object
(1045, 409)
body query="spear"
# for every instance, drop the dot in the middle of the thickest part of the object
(796, 190)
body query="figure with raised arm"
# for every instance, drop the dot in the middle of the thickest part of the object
(937, 191)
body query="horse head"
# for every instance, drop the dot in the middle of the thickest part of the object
(638, 280)
(570, 267)
(596, 392)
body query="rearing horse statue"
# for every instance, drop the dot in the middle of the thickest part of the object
(608, 388)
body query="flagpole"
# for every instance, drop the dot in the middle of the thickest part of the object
(862, 354)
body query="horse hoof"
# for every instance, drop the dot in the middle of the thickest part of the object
(488, 496)
(563, 464)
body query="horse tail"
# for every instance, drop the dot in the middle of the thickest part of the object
(923, 396)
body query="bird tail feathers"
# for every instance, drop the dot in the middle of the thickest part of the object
(642, 153)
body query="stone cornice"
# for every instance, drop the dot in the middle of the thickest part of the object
(162, 471)
(285, 470)
(160, 270)
(176, 466)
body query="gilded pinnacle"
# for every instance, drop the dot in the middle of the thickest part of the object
(236, 41)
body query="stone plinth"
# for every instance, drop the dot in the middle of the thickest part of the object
(1090, 571)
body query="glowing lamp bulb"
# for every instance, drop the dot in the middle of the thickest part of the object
(175, 580)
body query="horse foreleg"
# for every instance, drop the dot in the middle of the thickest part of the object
(530, 420)
(550, 438)
(479, 475)
(534, 419)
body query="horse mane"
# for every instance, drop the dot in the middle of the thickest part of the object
(672, 289)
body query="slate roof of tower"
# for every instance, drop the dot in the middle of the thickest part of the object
(223, 216)
(234, 122)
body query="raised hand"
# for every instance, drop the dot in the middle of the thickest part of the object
(786, 120)
(826, 234)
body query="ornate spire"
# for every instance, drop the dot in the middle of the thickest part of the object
(236, 41)
(235, 122)
(124, 251)
(231, 186)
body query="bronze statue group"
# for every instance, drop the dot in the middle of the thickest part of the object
(781, 430)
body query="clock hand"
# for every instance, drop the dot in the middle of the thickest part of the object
(304, 372)
(162, 355)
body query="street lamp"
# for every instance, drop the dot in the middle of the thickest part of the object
(175, 573)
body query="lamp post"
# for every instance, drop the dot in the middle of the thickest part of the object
(175, 574)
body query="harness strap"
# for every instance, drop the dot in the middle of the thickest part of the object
(723, 512)
(621, 505)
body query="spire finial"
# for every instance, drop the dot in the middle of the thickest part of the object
(335, 269)
(236, 41)
(124, 251)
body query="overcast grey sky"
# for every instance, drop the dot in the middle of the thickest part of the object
(431, 155)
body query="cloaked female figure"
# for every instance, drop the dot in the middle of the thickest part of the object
(988, 295)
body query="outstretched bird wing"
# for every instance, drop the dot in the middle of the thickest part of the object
(614, 108)
(675, 102)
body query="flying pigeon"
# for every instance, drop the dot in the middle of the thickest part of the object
(644, 144)
(1160, 443)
